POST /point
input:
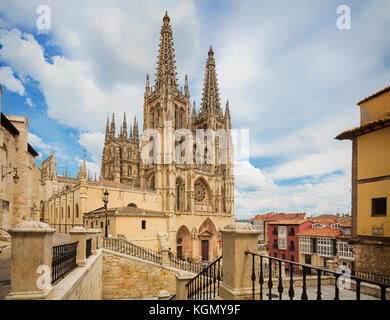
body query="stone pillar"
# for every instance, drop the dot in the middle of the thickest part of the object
(165, 257)
(182, 278)
(331, 265)
(94, 233)
(31, 251)
(163, 295)
(238, 238)
(79, 234)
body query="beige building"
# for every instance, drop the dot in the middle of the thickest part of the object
(181, 204)
(18, 201)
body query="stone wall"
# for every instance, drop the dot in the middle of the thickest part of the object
(83, 283)
(372, 258)
(126, 277)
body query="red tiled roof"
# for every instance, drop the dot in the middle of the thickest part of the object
(279, 216)
(321, 232)
(291, 221)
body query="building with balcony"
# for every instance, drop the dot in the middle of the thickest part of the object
(371, 183)
(283, 238)
(260, 222)
(327, 240)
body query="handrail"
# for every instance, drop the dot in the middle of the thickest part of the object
(127, 247)
(205, 285)
(337, 274)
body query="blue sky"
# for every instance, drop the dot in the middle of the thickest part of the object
(291, 77)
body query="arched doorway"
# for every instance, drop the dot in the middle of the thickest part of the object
(208, 240)
(183, 243)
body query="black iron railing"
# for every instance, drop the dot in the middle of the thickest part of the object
(382, 278)
(205, 286)
(63, 260)
(88, 246)
(258, 277)
(127, 247)
(190, 266)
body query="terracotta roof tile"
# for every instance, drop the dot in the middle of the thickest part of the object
(321, 232)
(291, 221)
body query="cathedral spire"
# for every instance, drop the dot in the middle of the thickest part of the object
(112, 132)
(135, 129)
(107, 129)
(166, 68)
(83, 172)
(124, 127)
(210, 97)
(227, 115)
(147, 86)
(186, 86)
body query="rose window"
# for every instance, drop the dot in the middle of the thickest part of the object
(200, 192)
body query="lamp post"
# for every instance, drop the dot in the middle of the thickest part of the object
(3, 174)
(105, 200)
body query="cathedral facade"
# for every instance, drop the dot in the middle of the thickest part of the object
(155, 196)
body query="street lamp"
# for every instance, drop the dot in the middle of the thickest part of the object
(3, 174)
(105, 200)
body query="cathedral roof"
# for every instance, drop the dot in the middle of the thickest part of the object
(128, 211)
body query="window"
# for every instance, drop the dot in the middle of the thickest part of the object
(345, 251)
(282, 235)
(275, 254)
(275, 244)
(307, 259)
(77, 210)
(92, 224)
(282, 244)
(292, 245)
(275, 231)
(292, 232)
(108, 222)
(129, 171)
(292, 258)
(143, 224)
(305, 245)
(101, 224)
(283, 256)
(325, 247)
(335, 225)
(379, 207)
(316, 225)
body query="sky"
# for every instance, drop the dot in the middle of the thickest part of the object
(292, 78)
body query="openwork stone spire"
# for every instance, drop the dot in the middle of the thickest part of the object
(210, 97)
(166, 68)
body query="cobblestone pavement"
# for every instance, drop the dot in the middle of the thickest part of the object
(328, 293)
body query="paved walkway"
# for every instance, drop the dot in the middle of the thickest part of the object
(328, 293)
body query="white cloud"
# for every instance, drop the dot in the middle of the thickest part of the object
(93, 143)
(8, 79)
(257, 193)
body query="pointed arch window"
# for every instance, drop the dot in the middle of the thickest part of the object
(179, 194)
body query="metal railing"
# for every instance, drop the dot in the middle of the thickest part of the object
(129, 248)
(190, 266)
(205, 286)
(63, 260)
(88, 247)
(382, 278)
(259, 260)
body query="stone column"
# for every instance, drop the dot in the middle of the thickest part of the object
(31, 251)
(182, 278)
(238, 238)
(165, 257)
(94, 233)
(79, 234)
